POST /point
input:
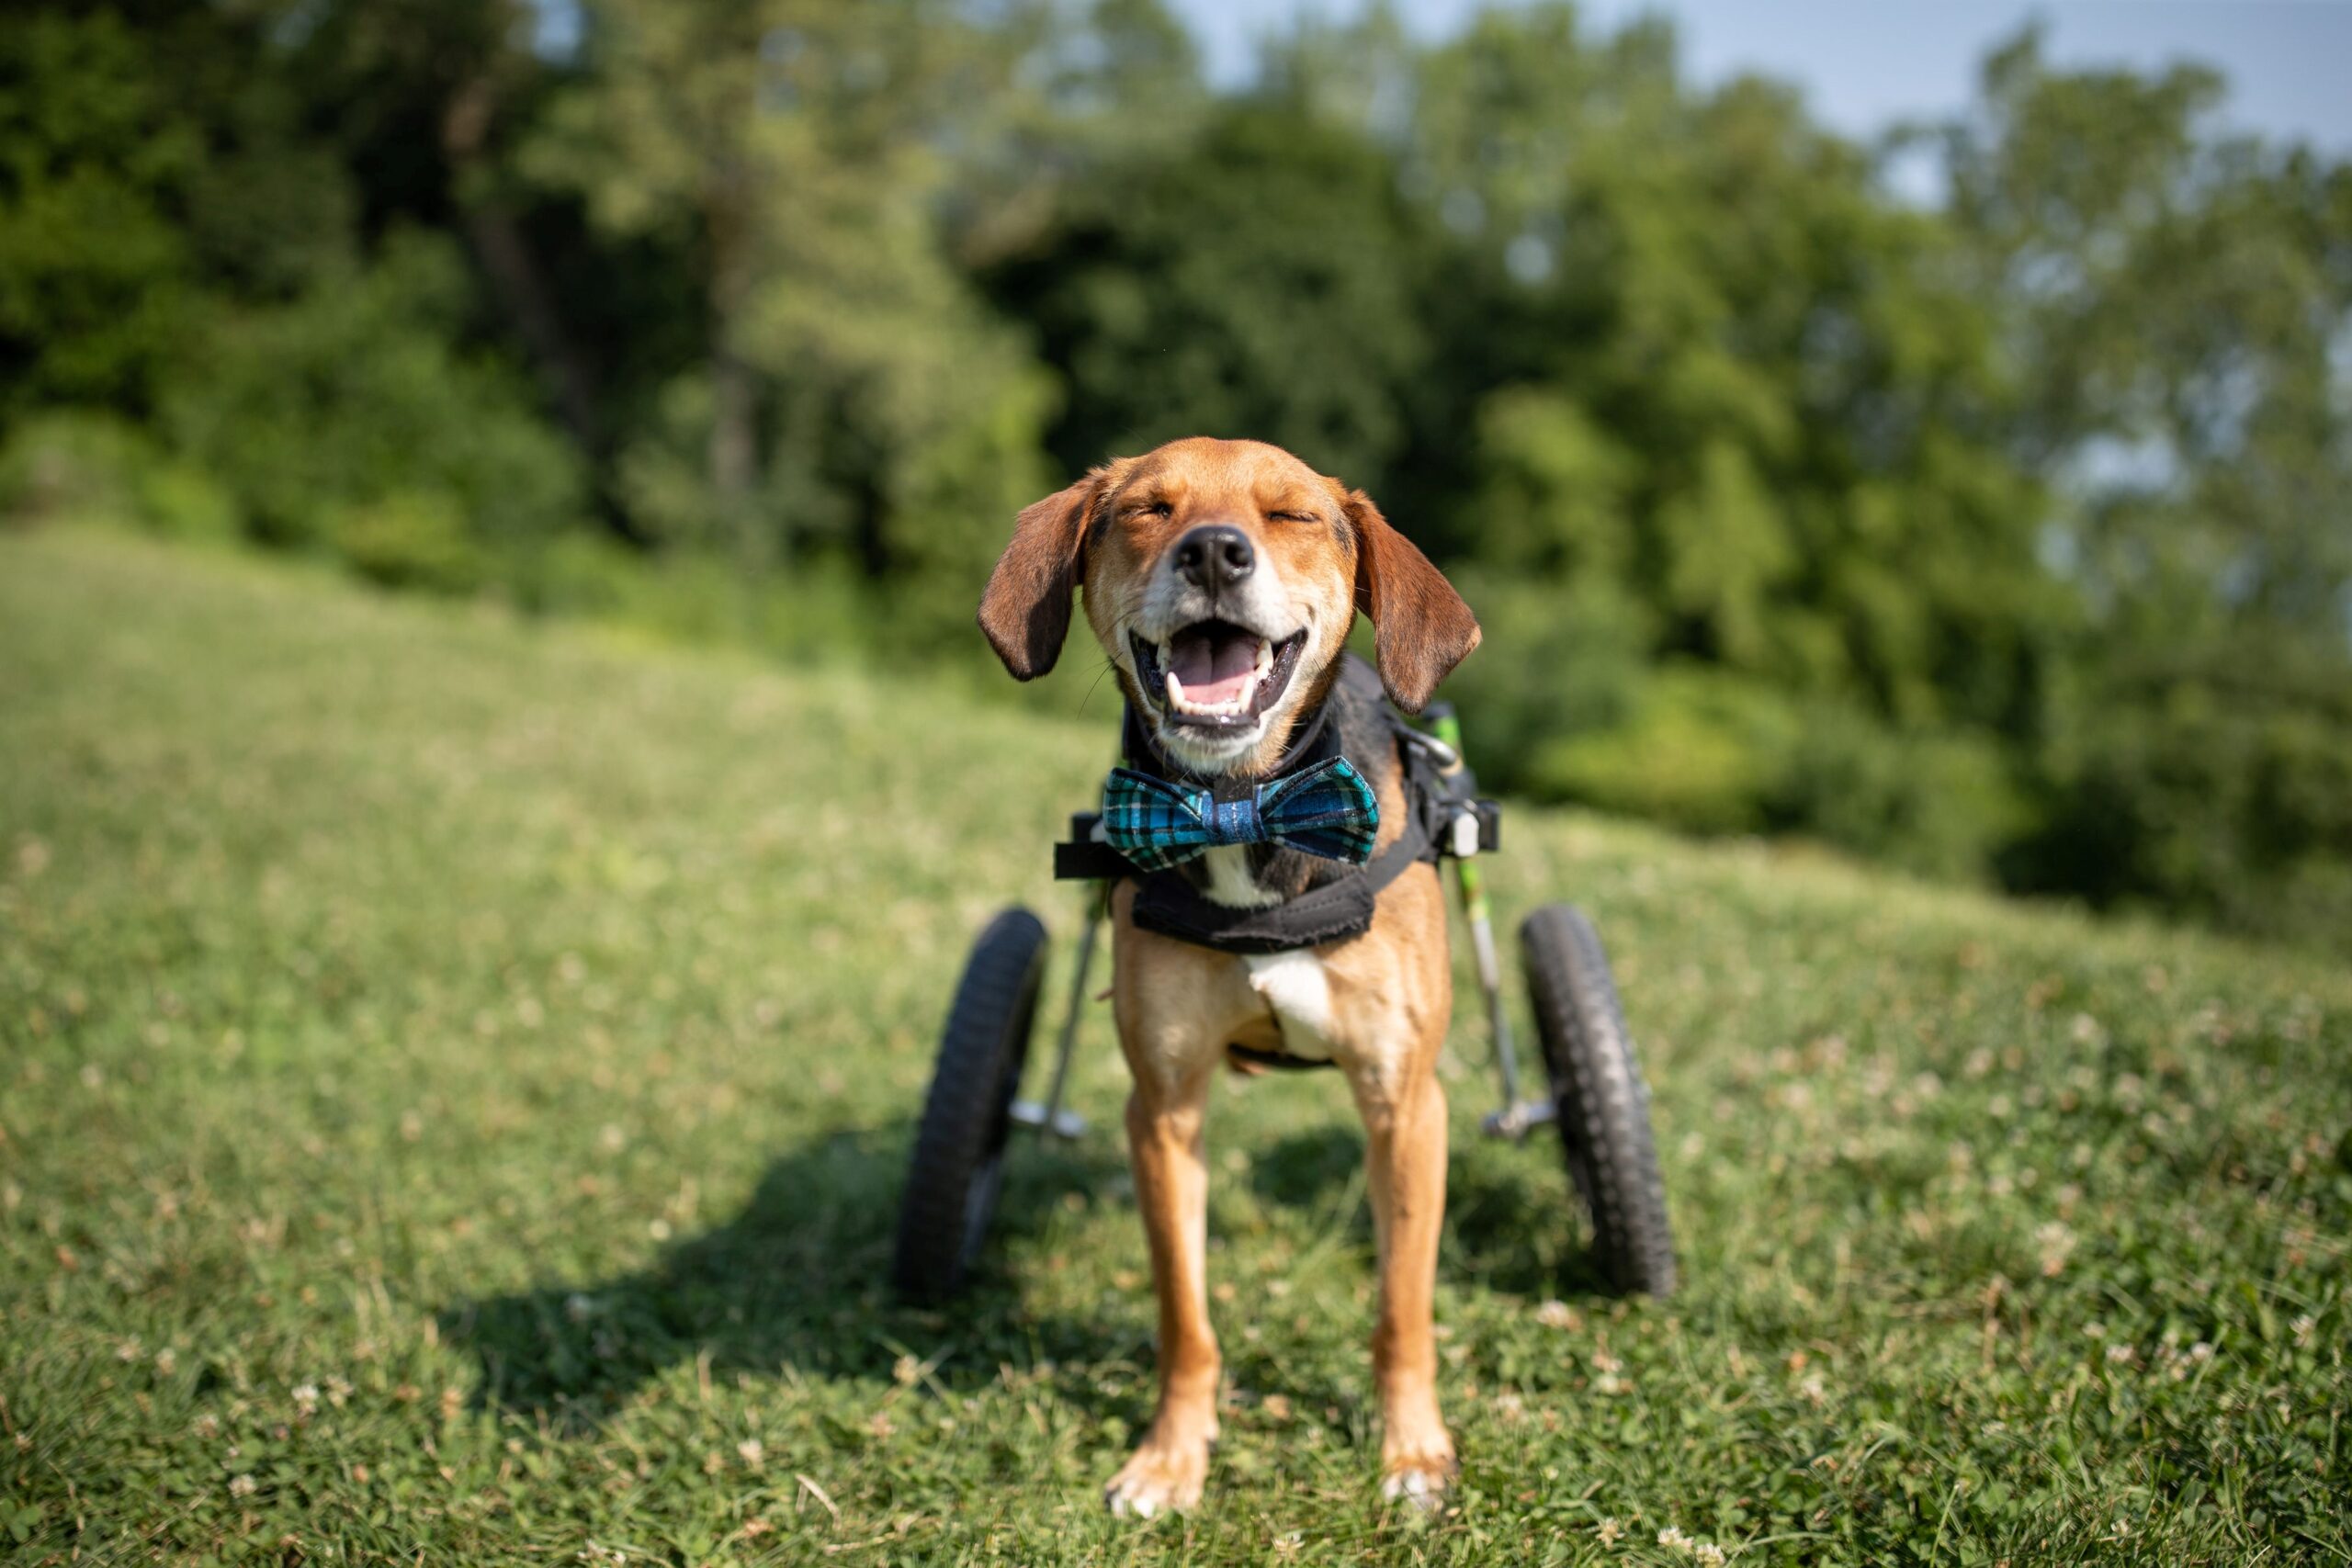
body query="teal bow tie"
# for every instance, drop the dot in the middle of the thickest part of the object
(1324, 810)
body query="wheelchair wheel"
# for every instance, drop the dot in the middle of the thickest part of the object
(1604, 1107)
(958, 1166)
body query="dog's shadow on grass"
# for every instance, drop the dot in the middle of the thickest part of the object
(1512, 1223)
(798, 1280)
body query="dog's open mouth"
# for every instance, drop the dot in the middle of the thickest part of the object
(1213, 674)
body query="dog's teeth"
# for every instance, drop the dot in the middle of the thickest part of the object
(1265, 655)
(1175, 691)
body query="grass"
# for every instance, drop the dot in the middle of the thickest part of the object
(454, 1080)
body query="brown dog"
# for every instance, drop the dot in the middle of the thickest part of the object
(1222, 579)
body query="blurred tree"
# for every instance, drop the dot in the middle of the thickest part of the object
(1701, 372)
(1099, 83)
(358, 395)
(796, 149)
(143, 170)
(426, 99)
(1735, 375)
(2181, 304)
(1257, 281)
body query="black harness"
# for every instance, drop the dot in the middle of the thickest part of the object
(1438, 792)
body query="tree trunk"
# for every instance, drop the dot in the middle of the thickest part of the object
(734, 451)
(734, 415)
(504, 253)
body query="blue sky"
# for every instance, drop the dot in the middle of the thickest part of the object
(1864, 64)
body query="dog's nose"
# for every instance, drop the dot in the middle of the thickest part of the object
(1214, 557)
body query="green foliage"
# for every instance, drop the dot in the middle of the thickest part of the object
(94, 270)
(67, 465)
(356, 396)
(458, 1078)
(409, 539)
(1704, 747)
(2179, 299)
(2222, 789)
(1259, 282)
(851, 394)
(146, 164)
(1551, 502)
(62, 466)
(821, 615)
(1580, 714)
(1942, 802)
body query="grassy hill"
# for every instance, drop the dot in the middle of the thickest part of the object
(454, 1079)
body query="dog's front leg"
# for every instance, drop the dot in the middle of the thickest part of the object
(1164, 1124)
(1403, 1118)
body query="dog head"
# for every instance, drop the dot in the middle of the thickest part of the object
(1222, 577)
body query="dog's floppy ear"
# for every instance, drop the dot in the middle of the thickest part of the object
(1422, 630)
(1025, 609)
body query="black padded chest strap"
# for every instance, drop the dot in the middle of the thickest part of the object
(1168, 904)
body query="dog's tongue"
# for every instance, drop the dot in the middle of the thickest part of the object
(1212, 667)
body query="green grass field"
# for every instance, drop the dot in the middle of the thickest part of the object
(455, 1076)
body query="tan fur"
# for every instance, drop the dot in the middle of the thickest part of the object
(1388, 993)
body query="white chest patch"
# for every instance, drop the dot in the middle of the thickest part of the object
(1299, 994)
(1230, 883)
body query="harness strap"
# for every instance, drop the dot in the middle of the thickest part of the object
(1340, 908)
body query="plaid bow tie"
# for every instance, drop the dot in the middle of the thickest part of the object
(1326, 810)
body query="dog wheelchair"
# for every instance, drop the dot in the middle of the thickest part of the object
(1596, 1099)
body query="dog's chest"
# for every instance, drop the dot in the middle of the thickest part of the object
(1296, 989)
(1231, 882)
(1294, 986)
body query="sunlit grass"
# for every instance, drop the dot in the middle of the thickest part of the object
(456, 1076)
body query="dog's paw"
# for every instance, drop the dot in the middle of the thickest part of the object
(1418, 1473)
(1158, 1479)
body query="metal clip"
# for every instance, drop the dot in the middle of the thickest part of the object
(1445, 756)
(1466, 835)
